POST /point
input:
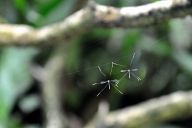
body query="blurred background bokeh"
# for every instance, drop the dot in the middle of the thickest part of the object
(162, 55)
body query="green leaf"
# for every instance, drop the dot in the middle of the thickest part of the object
(156, 46)
(15, 76)
(45, 6)
(180, 33)
(184, 59)
(130, 40)
(57, 13)
(21, 5)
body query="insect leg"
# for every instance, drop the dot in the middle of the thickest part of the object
(132, 59)
(101, 90)
(138, 78)
(101, 71)
(118, 90)
(112, 65)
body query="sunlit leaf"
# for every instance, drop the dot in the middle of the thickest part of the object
(15, 75)
(21, 5)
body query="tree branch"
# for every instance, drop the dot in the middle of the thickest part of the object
(173, 106)
(94, 15)
(50, 78)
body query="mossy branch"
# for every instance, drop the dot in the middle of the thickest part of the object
(94, 15)
(166, 108)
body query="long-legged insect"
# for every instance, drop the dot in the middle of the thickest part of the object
(127, 71)
(130, 71)
(108, 83)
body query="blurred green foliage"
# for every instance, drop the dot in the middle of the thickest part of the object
(160, 50)
(15, 78)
